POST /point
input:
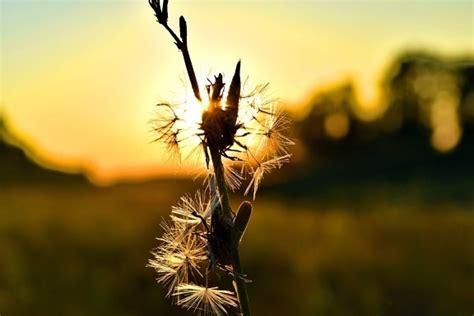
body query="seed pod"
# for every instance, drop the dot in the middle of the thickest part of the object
(183, 29)
(241, 221)
(233, 97)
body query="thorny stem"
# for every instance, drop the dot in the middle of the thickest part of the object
(237, 232)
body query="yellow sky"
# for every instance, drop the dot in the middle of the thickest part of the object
(79, 79)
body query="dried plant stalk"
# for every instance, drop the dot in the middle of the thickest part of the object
(241, 130)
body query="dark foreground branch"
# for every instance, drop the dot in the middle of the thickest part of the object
(161, 14)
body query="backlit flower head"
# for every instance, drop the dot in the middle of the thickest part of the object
(238, 137)
(178, 258)
(247, 130)
(193, 210)
(184, 255)
(205, 300)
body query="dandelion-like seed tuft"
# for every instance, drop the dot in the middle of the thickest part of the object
(246, 131)
(205, 300)
(179, 256)
(238, 134)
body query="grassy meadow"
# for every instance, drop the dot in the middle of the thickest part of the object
(75, 249)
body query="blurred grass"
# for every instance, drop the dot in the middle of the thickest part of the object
(74, 249)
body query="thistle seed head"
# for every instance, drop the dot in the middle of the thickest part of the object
(246, 129)
(193, 243)
(177, 259)
(205, 300)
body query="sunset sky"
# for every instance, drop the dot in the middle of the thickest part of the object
(79, 79)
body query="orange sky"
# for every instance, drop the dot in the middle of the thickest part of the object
(79, 79)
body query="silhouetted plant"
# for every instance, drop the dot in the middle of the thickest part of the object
(239, 135)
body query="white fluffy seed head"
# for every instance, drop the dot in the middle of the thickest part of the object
(259, 136)
(205, 300)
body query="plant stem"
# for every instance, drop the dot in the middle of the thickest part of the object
(183, 47)
(221, 185)
(236, 234)
(240, 284)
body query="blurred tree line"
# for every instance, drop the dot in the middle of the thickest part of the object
(20, 163)
(423, 125)
(426, 108)
(422, 133)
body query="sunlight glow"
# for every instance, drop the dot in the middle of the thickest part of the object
(80, 78)
(193, 111)
(336, 125)
(447, 131)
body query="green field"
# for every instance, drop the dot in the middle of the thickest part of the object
(75, 249)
